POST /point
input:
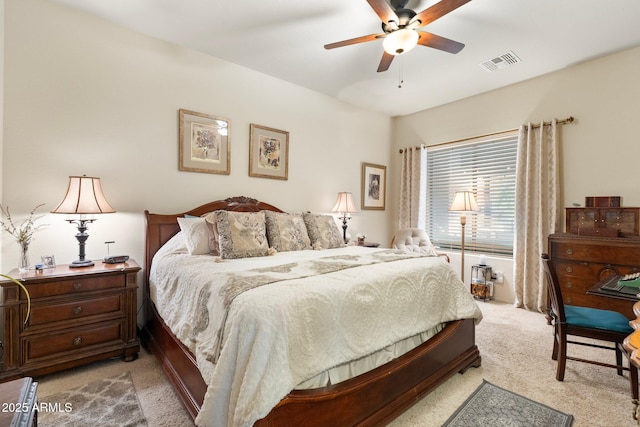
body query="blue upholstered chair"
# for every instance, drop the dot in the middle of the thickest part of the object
(602, 325)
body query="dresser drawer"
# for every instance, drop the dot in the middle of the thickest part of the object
(72, 341)
(58, 313)
(617, 255)
(72, 286)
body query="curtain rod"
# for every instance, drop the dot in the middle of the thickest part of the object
(569, 119)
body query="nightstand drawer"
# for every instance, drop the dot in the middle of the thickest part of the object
(65, 287)
(73, 341)
(64, 310)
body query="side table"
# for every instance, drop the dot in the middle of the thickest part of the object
(632, 346)
(19, 403)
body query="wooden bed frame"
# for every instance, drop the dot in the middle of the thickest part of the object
(373, 398)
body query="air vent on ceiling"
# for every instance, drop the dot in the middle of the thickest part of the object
(503, 61)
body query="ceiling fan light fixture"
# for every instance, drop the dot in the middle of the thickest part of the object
(400, 41)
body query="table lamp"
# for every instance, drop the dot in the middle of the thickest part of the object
(345, 206)
(463, 201)
(84, 197)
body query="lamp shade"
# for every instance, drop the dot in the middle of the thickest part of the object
(344, 204)
(463, 201)
(84, 196)
(400, 41)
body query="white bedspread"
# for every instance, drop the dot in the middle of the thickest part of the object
(277, 335)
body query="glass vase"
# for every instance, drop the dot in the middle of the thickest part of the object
(24, 264)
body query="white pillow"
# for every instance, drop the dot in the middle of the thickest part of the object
(196, 235)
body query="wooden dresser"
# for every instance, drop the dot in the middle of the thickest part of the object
(78, 315)
(582, 261)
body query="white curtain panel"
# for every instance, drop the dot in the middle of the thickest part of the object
(412, 188)
(537, 211)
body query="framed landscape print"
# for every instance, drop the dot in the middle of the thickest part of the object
(204, 143)
(374, 187)
(269, 153)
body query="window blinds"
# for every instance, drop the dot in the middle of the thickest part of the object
(488, 169)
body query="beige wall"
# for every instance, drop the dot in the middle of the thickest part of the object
(599, 151)
(83, 96)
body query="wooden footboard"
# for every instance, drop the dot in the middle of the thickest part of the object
(373, 398)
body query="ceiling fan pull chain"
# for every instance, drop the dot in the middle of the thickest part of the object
(400, 78)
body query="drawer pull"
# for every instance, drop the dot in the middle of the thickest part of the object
(569, 251)
(77, 285)
(569, 270)
(569, 285)
(77, 341)
(77, 310)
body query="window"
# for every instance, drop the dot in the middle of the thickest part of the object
(486, 167)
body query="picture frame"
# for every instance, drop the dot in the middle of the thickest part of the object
(48, 261)
(374, 187)
(204, 143)
(268, 152)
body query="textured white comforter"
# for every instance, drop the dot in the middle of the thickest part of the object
(299, 322)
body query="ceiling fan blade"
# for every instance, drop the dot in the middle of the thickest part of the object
(384, 10)
(438, 42)
(436, 11)
(356, 40)
(385, 62)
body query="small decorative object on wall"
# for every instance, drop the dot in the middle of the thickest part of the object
(204, 143)
(269, 153)
(49, 261)
(374, 186)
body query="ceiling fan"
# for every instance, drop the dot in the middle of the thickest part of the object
(400, 29)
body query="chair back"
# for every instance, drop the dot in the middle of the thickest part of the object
(557, 304)
(413, 240)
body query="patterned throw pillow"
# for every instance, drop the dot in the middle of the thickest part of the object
(323, 231)
(242, 234)
(287, 232)
(212, 225)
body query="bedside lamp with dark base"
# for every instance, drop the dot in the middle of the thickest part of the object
(84, 197)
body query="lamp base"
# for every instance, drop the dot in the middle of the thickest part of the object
(81, 263)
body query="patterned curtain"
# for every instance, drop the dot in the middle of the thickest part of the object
(537, 211)
(412, 188)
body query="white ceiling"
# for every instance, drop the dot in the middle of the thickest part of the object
(285, 39)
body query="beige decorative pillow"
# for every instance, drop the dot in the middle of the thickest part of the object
(242, 234)
(212, 225)
(196, 235)
(323, 231)
(287, 232)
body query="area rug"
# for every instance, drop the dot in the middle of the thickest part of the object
(108, 402)
(490, 405)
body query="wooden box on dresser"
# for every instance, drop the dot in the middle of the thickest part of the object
(583, 261)
(78, 316)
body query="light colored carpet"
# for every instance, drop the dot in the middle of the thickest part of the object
(515, 345)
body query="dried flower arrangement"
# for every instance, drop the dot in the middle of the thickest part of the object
(24, 232)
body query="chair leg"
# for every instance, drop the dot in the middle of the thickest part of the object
(554, 353)
(561, 340)
(619, 359)
(633, 374)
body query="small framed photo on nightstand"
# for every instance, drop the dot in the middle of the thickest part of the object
(49, 261)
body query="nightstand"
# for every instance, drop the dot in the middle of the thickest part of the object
(78, 316)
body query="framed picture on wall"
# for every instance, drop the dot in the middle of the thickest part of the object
(269, 152)
(204, 143)
(374, 187)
